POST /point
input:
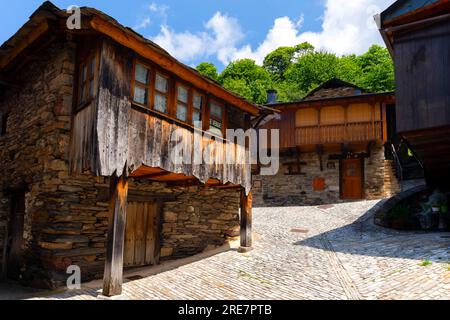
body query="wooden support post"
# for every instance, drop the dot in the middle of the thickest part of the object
(246, 222)
(112, 279)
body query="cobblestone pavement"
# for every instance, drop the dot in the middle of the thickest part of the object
(309, 253)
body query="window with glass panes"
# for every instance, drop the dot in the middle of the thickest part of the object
(87, 80)
(141, 91)
(161, 93)
(216, 118)
(197, 107)
(182, 103)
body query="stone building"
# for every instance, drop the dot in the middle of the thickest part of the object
(87, 118)
(334, 147)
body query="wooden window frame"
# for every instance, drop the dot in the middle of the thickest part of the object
(189, 104)
(91, 75)
(172, 97)
(202, 109)
(148, 86)
(209, 117)
(168, 94)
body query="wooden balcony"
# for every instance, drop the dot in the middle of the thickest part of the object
(339, 133)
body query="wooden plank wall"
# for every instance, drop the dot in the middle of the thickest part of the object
(83, 142)
(422, 63)
(127, 139)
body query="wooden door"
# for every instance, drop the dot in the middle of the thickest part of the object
(141, 234)
(352, 180)
(15, 235)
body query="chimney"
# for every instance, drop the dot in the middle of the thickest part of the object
(272, 96)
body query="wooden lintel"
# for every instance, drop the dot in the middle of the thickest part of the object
(246, 221)
(113, 274)
(155, 175)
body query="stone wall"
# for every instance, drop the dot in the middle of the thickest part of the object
(66, 218)
(37, 133)
(374, 174)
(286, 190)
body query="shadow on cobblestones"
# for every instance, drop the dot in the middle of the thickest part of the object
(364, 238)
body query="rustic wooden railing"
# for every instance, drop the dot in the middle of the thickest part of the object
(339, 133)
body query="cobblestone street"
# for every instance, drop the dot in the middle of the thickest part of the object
(330, 252)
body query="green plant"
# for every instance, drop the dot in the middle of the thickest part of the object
(426, 263)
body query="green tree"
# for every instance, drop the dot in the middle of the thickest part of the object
(247, 79)
(348, 69)
(311, 70)
(377, 69)
(279, 60)
(208, 69)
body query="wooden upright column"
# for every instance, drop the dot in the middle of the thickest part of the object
(246, 222)
(112, 279)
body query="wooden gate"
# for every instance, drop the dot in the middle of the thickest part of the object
(352, 181)
(141, 235)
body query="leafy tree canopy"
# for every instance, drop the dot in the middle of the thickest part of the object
(248, 79)
(208, 69)
(278, 61)
(294, 71)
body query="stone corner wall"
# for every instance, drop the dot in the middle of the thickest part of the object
(37, 133)
(66, 216)
(316, 187)
(284, 190)
(374, 174)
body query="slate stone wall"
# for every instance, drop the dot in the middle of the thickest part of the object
(66, 218)
(306, 188)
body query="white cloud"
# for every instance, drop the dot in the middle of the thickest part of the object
(221, 36)
(154, 9)
(184, 46)
(144, 23)
(347, 27)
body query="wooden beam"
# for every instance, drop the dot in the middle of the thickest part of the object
(246, 222)
(154, 175)
(23, 44)
(112, 279)
(384, 122)
(163, 59)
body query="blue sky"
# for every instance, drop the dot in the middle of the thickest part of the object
(224, 30)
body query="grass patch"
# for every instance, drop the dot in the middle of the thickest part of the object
(426, 263)
(242, 273)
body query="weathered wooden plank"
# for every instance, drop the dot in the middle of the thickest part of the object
(246, 222)
(83, 142)
(113, 275)
(128, 256)
(150, 233)
(127, 138)
(139, 249)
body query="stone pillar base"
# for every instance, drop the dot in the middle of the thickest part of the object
(121, 297)
(244, 249)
